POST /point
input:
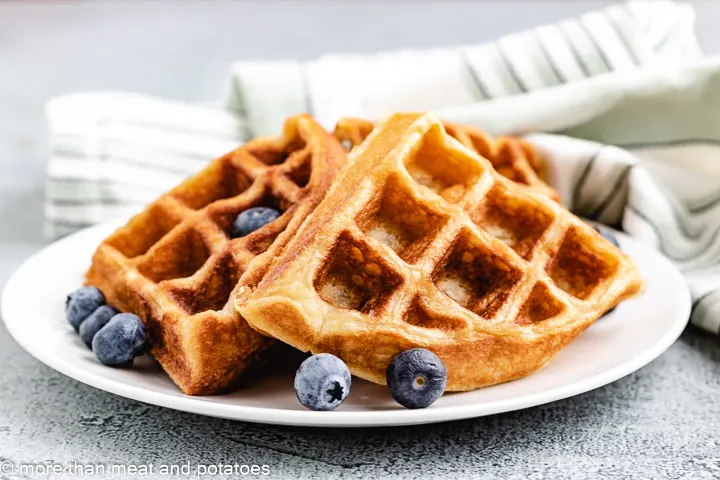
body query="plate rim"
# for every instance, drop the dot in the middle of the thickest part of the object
(338, 419)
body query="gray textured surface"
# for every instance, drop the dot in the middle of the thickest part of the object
(659, 422)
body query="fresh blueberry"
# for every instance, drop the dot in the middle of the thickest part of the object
(81, 303)
(607, 236)
(97, 320)
(120, 340)
(322, 382)
(417, 378)
(252, 219)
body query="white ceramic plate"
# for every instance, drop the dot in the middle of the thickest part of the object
(622, 342)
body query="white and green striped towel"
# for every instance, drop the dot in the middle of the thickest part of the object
(626, 100)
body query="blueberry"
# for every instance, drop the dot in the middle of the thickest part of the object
(607, 236)
(322, 382)
(97, 320)
(417, 378)
(120, 341)
(252, 219)
(81, 303)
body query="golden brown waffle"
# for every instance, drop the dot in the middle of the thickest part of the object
(512, 157)
(421, 243)
(175, 264)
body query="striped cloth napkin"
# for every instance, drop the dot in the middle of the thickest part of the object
(626, 100)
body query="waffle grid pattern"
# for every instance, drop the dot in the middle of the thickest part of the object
(465, 245)
(197, 248)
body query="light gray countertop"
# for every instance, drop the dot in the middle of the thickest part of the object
(659, 422)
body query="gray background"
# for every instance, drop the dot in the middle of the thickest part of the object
(661, 421)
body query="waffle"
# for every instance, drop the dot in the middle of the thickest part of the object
(421, 243)
(175, 266)
(512, 157)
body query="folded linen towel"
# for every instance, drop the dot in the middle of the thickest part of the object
(617, 39)
(113, 152)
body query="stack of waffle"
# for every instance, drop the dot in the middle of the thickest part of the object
(434, 235)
